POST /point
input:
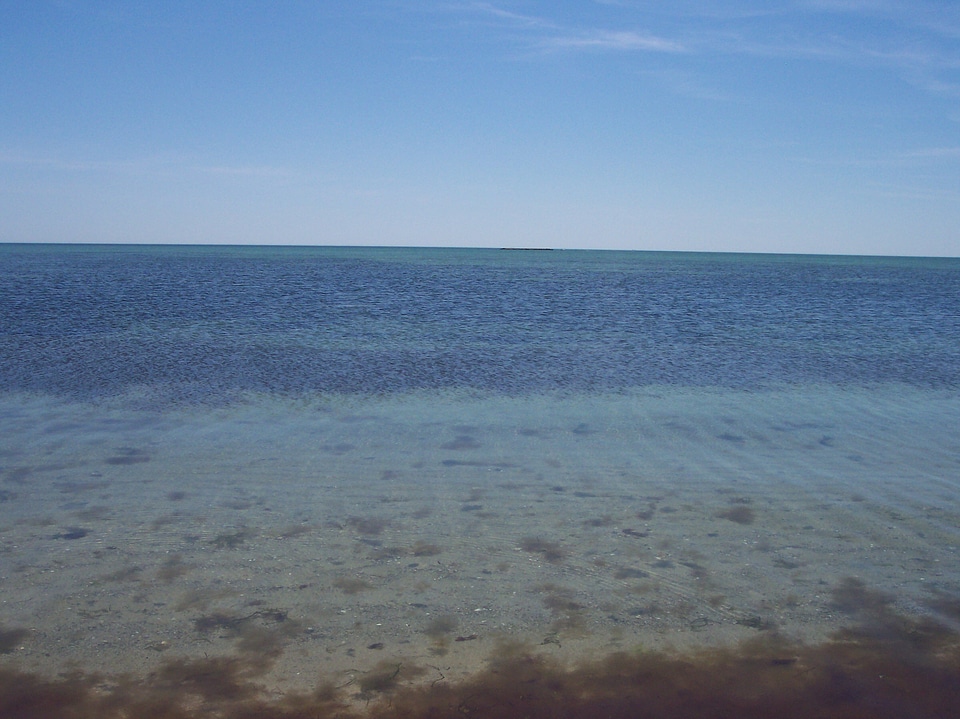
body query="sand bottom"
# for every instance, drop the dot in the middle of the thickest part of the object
(370, 544)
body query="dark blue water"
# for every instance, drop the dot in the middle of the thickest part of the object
(203, 323)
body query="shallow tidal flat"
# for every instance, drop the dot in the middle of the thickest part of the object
(341, 539)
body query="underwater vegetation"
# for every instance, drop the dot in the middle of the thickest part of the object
(550, 551)
(884, 665)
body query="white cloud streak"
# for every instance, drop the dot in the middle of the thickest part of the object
(915, 40)
(515, 19)
(934, 153)
(616, 40)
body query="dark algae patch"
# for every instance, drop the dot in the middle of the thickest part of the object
(72, 533)
(10, 639)
(352, 585)
(550, 551)
(370, 526)
(910, 670)
(738, 514)
(231, 540)
(883, 666)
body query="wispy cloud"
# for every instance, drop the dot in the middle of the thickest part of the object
(887, 160)
(550, 34)
(872, 6)
(28, 160)
(934, 85)
(915, 39)
(617, 40)
(934, 153)
(243, 170)
(914, 192)
(493, 11)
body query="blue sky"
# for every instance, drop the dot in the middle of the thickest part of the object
(780, 126)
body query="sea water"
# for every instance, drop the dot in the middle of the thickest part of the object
(345, 461)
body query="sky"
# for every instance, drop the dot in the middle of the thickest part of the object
(810, 126)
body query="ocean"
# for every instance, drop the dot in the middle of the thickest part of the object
(335, 479)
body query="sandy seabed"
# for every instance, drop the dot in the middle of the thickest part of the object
(681, 551)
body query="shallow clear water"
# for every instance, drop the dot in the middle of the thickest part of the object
(338, 457)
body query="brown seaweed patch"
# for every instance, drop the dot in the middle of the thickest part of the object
(604, 521)
(384, 553)
(786, 563)
(352, 585)
(739, 514)
(890, 668)
(476, 494)
(228, 682)
(94, 514)
(127, 574)
(425, 549)
(165, 520)
(371, 526)
(441, 626)
(172, 568)
(461, 442)
(17, 475)
(697, 571)
(946, 604)
(564, 609)
(386, 677)
(201, 599)
(231, 540)
(851, 596)
(238, 504)
(439, 630)
(560, 604)
(550, 551)
(757, 622)
(218, 621)
(295, 530)
(72, 533)
(630, 573)
(878, 623)
(11, 639)
(262, 633)
(383, 677)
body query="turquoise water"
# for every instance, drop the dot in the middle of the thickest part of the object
(340, 459)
